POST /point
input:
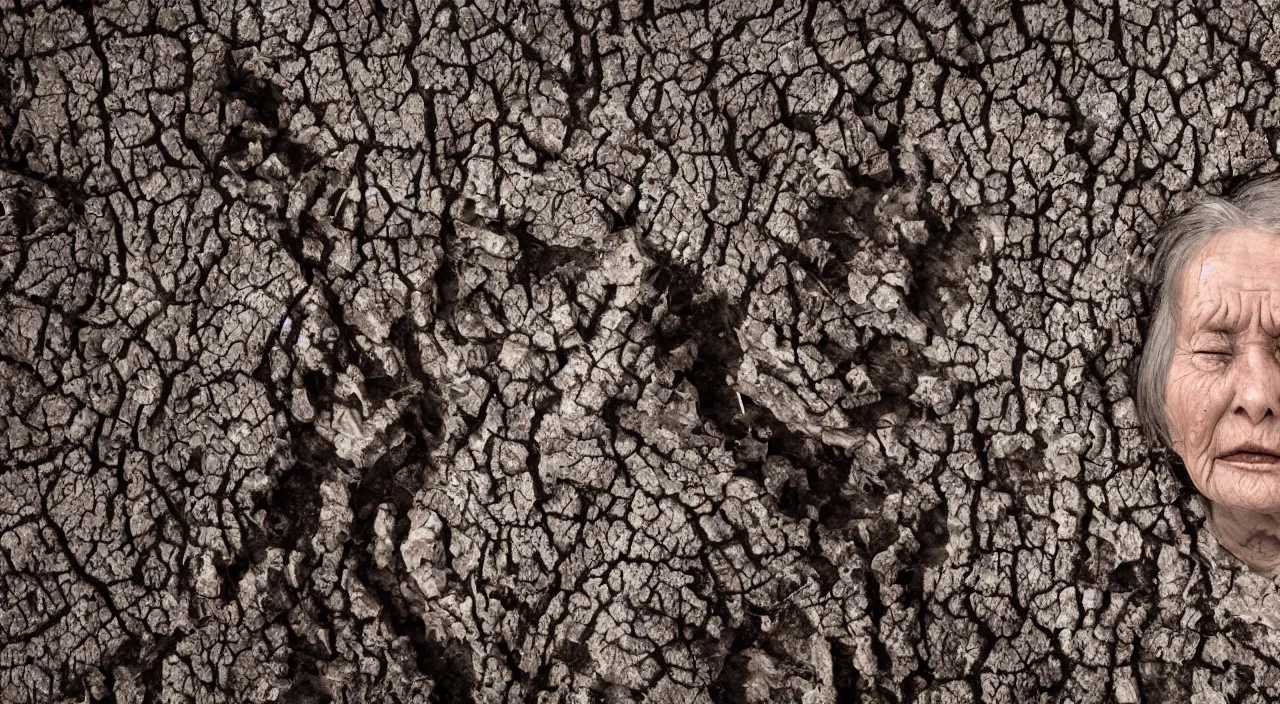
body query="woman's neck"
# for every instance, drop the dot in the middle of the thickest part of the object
(1252, 537)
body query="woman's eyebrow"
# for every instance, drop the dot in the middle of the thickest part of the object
(1215, 327)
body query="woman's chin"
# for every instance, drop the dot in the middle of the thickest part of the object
(1249, 488)
(1247, 502)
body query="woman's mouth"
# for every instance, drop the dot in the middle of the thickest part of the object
(1253, 460)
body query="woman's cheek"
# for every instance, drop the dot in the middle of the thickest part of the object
(1194, 399)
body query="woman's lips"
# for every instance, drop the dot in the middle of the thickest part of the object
(1258, 460)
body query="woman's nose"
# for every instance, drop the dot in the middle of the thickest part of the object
(1258, 390)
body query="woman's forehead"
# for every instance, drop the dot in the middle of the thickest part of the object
(1234, 278)
(1236, 261)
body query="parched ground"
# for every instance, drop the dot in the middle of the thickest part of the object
(721, 352)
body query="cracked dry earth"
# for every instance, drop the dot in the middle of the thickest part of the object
(634, 352)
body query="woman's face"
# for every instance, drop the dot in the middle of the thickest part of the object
(1222, 392)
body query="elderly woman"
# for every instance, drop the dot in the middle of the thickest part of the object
(1209, 378)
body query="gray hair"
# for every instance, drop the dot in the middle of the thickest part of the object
(1256, 206)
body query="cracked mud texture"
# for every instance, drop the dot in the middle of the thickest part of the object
(608, 352)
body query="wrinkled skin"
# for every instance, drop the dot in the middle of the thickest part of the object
(1223, 385)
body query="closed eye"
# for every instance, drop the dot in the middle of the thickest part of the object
(1215, 357)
